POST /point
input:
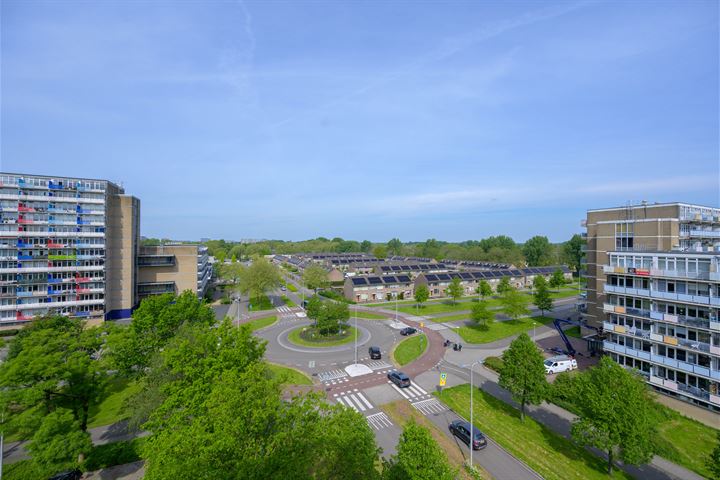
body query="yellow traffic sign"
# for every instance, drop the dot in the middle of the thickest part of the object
(443, 379)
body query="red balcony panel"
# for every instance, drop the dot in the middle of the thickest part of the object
(23, 208)
(82, 290)
(79, 279)
(24, 221)
(55, 245)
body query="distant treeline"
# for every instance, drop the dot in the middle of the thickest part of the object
(537, 251)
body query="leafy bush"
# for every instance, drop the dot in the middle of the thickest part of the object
(226, 301)
(22, 470)
(494, 363)
(9, 333)
(333, 295)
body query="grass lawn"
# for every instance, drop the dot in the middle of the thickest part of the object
(261, 322)
(288, 302)
(573, 332)
(451, 318)
(109, 410)
(295, 338)
(551, 455)
(261, 303)
(431, 308)
(292, 287)
(498, 330)
(563, 294)
(685, 441)
(368, 315)
(410, 349)
(289, 376)
(400, 412)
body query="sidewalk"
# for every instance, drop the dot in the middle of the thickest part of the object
(116, 432)
(560, 420)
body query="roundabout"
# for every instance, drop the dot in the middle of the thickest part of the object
(310, 337)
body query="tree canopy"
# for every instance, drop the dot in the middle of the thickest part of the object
(484, 289)
(455, 289)
(394, 246)
(315, 277)
(421, 294)
(328, 315)
(419, 457)
(259, 277)
(572, 252)
(557, 279)
(482, 315)
(615, 413)
(503, 285)
(514, 304)
(523, 372)
(542, 298)
(538, 251)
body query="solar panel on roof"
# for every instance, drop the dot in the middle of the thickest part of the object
(516, 273)
(389, 279)
(385, 268)
(414, 267)
(374, 280)
(359, 281)
(443, 276)
(466, 275)
(397, 268)
(432, 277)
(403, 279)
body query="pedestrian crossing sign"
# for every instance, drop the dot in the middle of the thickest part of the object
(443, 378)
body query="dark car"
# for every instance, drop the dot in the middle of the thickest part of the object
(399, 379)
(375, 353)
(461, 429)
(69, 475)
(408, 331)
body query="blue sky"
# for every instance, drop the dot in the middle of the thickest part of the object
(366, 119)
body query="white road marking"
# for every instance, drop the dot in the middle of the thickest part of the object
(399, 390)
(429, 406)
(378, 364)
(357, 402)
(379, 420)
(362, 397)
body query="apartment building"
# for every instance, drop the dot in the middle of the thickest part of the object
(654, 286)
(67, 246)
(173, 269)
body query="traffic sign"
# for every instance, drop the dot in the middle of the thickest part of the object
(443, 379)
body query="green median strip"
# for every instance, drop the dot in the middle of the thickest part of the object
(499, 330)
(368, 315)
(548, 453)
(289, 376)
(410, 349)
(261, 322)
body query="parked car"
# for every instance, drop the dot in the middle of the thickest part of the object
(374, 353)
(408, 331)
(461, 429)
(69, 475)
(399, 379)
(559, 364)
(283, 288)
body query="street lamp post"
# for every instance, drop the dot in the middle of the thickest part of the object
(472, 426)
(534, 340)
(355, 333)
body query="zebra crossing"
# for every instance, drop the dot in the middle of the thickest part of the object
(283, 309)
(378, 364)
(354, 399)
(429, 406)
(358, 402)
(378, 421)
(412, 393)
(333, 377)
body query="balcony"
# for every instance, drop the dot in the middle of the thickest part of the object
(51, 244)
(700, 233)
(156, 260)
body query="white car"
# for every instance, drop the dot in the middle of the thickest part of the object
(559, 364)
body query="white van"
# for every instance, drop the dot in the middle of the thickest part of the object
(559, 364)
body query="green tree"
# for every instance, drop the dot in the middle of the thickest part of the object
(380, 251)
(419, 457)
(523, 373)
(538, 251)
(394, 246)
(232, 271)
(222, 415)
(455, 289)
(153, 324)
(365, 246)
(616, 413)
(514, 304)
(482, 315)
(539, 281)
(52, 364)
(59, 442)
(484, 289)
(315, 277)
(328, 315)
(421, 294)
(542, 299)
(503, 285)
(572, 252)
(557, 279)
(713, 461)
(259, 277)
